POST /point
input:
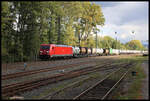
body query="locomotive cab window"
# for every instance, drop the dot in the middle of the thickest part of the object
(45, 47)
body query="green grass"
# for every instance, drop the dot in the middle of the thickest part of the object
(134, 91)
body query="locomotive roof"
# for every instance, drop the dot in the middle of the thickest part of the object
(45, 44)
(57, 45)
(63, 46)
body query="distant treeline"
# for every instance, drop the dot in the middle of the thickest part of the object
(25, 25)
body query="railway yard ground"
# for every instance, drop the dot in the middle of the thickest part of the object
(100, 77)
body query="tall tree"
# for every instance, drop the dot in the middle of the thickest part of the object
(26, 25)
(8, 32)
(4, 29)
(92, 16)
(134, 45)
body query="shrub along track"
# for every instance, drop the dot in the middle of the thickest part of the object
(104, 87)
(10, 90)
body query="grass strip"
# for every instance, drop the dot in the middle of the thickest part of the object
(134, 89)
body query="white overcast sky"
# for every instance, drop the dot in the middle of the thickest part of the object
(123, 18)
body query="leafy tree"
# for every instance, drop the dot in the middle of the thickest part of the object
(26, 25)
(8, 32)
(91, 17)
(90, 42)
(134, 45)
(108, 42)
(4, 25)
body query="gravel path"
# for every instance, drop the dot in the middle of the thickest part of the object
(145, 87)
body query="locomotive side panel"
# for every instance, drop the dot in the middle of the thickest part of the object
(63, 51)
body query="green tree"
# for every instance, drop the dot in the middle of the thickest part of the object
(8, 32)
(91, 17)
(108, 42)
(4, 26)
(28, 29)
(26, 25)
(134, 45)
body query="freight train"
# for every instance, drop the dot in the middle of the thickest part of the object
(53, 51)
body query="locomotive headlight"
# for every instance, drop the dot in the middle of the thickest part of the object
(47, 51)
(40, 51)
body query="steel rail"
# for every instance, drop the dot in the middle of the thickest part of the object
(68, 86)
(38, 83)
(53, 76)
(114, 85)
(27, 73)
(90, 88)
(41, 62)
(87, 90)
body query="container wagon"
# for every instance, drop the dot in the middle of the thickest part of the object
(106, 52)
(83, 51)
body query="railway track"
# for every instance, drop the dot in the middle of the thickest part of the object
(49, 96)
(31, 72)
(13, 89)
(20, 74)
(102, 88)
(19, 65)
(38, 62)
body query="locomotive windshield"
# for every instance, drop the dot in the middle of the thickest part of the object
(45, 47)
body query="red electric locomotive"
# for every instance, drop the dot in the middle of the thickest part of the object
(52, 50)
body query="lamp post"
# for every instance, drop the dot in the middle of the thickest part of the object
(133, 34)
(95, 32)
(96, 38)
(116, 39)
